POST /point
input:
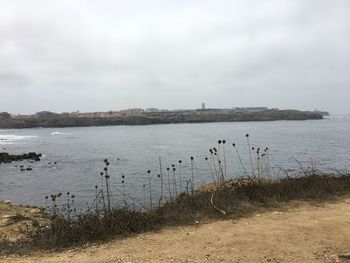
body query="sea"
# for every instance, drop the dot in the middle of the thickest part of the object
(73, 158)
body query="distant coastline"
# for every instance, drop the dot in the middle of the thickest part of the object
(137, 117)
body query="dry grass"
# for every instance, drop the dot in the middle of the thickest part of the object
(237, 198)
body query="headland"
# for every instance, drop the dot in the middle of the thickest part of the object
(151, 116)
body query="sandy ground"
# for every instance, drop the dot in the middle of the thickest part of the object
(301, 233)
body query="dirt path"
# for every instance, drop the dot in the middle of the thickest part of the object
(297, 234)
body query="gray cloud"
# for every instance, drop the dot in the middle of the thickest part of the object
(89, 55)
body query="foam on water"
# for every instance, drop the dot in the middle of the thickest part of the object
(60, 133)
(12, 138)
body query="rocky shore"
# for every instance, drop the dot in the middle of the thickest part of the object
(9, 158)
(18, 222)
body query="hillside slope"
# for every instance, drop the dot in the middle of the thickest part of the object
(299, 232)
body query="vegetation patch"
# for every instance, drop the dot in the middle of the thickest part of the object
(230, 199)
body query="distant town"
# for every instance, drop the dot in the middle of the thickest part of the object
(139, 116)
(128, 112)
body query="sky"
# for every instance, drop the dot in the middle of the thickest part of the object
(84, 55)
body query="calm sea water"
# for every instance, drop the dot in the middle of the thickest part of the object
(132, 150)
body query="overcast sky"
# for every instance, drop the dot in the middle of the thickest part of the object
(101, 55)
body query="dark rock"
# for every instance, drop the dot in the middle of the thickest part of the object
(345, 255)
(8, 158)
